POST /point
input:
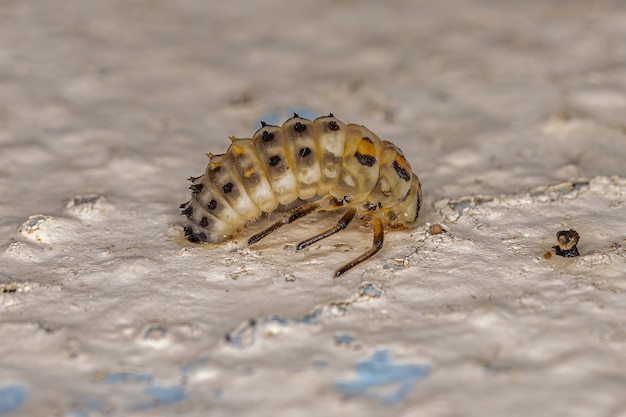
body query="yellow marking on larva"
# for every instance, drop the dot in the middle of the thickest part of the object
(366, 148)
(248, 173)
(402, 162)
(236, 150)
(210, 155)
(349, 169)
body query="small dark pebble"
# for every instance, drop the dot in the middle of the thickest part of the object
(436, 229)
(567, 240)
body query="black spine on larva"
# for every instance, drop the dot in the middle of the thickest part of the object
(196, 188)
(187, 211)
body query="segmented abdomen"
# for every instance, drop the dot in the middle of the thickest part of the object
(301, 159)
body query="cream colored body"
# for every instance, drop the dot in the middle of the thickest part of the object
(343, 165)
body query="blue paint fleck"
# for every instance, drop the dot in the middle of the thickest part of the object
(271, 118)
(123, 377)
(155, 332)
(278, 319)
(462, 204)
(311, 318)
(244, 335)
(305, 112)
(344, 338)
(218, 394)
(165, 395)
(277, 118)
(158, 394)
(191, 368)
(370, 290)
(12, 397)
(379, 378)
(320, 363)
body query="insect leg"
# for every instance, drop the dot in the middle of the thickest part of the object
(341, 224)
(286, 219)
(379, 233)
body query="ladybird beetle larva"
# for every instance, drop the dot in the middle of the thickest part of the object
(326, 164)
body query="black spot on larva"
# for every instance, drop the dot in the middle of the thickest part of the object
(183, 205)
(227, 188)
(196, 188)
(333, 125)
(401, 171)
(366, 160)
(367, 140)
(212, 205)
(305, 152)
(274, 160)
(267, 136)
(263, 124)
(330, 115)
(299, 127)
(188, 211)
(194, 237)
(216, 168)
(204, 222)
(295, 114)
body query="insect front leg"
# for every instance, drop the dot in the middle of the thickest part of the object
(379, 234)
(294, 215)
(341, 224)
(286, 219)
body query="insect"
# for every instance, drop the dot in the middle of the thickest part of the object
(322, 164)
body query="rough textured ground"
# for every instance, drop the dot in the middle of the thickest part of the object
(512, 114)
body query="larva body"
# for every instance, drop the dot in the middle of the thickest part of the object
(325, 163)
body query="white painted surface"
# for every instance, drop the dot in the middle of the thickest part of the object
(106, 107)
